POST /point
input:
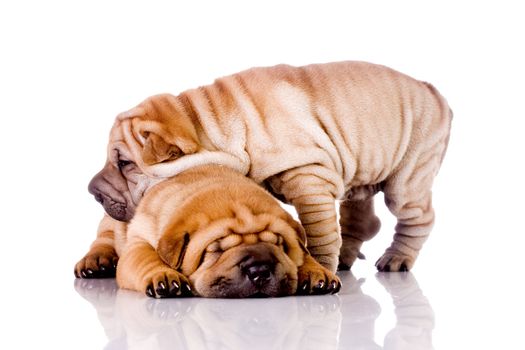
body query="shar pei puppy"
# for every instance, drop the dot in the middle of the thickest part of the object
(212, 232)
(311, 135)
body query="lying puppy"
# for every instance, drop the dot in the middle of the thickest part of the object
(217, 231)
(311, 135)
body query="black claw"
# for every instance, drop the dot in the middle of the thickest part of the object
(102, 268)
(319, 288)
(303, 289)
(161, 289)
(331, 287)
(403, 268)
(186, 290)
(83, 273)
(305, 285)
(150, 292)
(386, 268)
(89, 272)
(174, 288)
(77, 275)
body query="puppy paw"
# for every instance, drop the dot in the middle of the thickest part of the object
(394, 261)
(329, 261)
(349, 253)
(100, 262)
(313, 278)
(167, 283)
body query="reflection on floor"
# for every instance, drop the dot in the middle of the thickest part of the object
(343, 321)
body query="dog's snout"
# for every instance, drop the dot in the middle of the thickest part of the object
(114, 203)
(98, 197)
(95, 191)
(258, 267)
(259, 273)
(93, 188)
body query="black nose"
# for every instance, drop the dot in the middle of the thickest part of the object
(258, 266)
(258, 273)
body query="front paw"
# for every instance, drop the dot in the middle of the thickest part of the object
(394, 261)
(100, 262)
(167, 283)
(313, 278)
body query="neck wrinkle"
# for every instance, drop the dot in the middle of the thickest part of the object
(190, 111)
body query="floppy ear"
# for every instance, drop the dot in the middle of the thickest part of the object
(301, 233)
(171, 249)
(157, 149)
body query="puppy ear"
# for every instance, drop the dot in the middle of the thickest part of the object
(301, 233)
(172, 248)
(157, 149)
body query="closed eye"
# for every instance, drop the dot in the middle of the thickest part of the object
(123, 163)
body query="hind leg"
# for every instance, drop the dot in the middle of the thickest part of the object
(415, 219)
(358, 224)
(408, 195)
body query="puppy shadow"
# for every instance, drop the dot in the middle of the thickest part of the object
(414, 315)
(360, 312)
(343, 321)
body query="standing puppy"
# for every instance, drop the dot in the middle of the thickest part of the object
(311, 135)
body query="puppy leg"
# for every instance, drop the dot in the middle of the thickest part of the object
(415, 218)
(313, 278)
(358, 224)
(101, 260)
(312, 190)
(408, 196)
(140, 268)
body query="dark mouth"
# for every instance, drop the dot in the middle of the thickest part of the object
(98, 198)
(118, 211)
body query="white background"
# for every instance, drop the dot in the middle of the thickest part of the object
(67, 68)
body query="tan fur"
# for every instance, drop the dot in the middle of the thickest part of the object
(177, 223)
(313, 135)
(102, 257)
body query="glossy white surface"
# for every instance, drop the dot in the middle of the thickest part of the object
(452, 309)
(343, 321)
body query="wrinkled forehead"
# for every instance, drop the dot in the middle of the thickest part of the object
(222, 236)
(135, 112)
(123, 141)
(232, 240)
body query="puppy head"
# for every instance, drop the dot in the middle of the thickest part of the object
(245, 256)
(155, 133)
